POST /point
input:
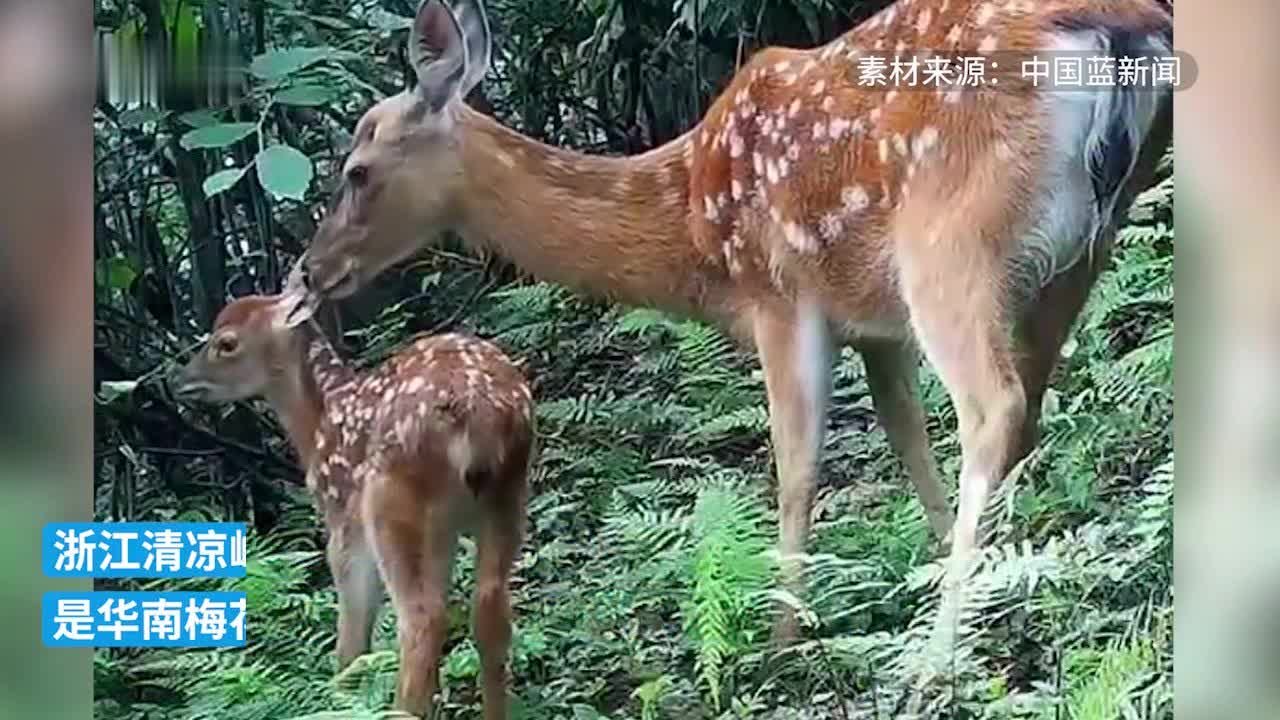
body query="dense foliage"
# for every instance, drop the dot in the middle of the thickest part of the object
(645, 586)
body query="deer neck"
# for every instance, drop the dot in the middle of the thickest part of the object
(614, 228)
(311, 379)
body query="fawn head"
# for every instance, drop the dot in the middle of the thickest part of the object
(402, 181)
(248, 348)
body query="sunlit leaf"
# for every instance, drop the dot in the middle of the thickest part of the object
(110, 390)
(217, 136)
(222, 180)
(305, 95)
(284, 171)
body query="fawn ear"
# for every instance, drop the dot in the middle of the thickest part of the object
(438, 53)
(297, 304)
(293, 309)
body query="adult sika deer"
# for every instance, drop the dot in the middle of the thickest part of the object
(400, 459)
(804, 211)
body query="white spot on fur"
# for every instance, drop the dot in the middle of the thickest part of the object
(883, 149)
(922, 22)
(757, 161)
(711, 212)
(830, 226)
(818, 87)
(782, 66)
(735, 188)
(988, 44)
(854, 199)
(794, 110)
(985, 13)
(797, 238)
(771, 171)
(900, 144)
(924, 142)
(954, 35)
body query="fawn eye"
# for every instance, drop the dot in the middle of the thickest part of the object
(226, 345)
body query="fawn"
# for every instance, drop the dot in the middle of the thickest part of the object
(400, 459)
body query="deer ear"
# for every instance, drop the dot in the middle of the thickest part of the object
(478, 38)
(438, 53)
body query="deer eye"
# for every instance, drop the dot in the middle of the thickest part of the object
(226, 346)
(358, 175)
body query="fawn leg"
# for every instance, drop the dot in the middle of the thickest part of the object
(355, 576)
(414, 537)
(500, 535)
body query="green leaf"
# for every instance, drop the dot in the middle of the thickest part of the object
(200, 118)
(276, 64)
(116, 273)
(217, 136)
(308, 95)
(222, 180)
(284, 171)
(111, 390)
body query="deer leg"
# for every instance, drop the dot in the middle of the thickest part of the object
(500, 536)
(957, 316)
(1040, 335)
(893, 378)
(795, 349)
(355, 576)
(414, 540)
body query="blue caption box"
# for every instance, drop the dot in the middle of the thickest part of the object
(143, 550)
(143, 619)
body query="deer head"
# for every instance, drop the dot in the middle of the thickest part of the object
(248, 350)
(401, 182)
